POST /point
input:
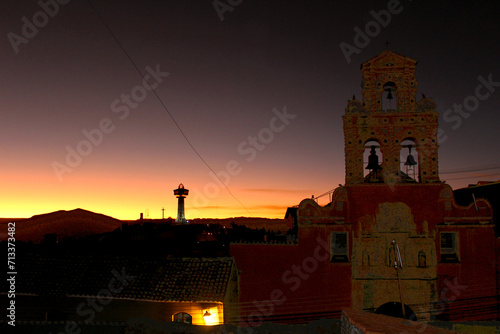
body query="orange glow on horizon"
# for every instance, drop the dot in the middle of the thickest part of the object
(120, 199)
(126, 199)
(126, 194)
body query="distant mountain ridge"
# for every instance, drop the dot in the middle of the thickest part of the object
(80, 222)
(73, 223)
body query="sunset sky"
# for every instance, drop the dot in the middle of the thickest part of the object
(270, 70)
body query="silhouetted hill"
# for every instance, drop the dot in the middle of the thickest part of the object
(79, 222)
(64, 224)
(6, 220)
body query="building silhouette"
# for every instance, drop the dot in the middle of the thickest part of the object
(180, 193)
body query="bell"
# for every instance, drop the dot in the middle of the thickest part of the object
(389, 96)
(410, 160)
(373, 160)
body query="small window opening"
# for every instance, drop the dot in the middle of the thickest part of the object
(183, 317)
(449, 247)
(389, 98)
(339, 247)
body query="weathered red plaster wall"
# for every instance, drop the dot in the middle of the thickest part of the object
(300, 279)
(422, 199)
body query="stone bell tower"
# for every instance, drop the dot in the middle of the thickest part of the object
(389, 136)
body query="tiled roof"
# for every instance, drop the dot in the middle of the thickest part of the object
(172, 279)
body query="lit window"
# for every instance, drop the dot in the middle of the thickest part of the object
(449, 247)
(183, 317)
(339, 247)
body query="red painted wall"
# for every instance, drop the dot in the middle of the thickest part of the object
(298, 283)
(468, 289)
(291, 283)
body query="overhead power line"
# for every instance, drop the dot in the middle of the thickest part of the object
(163, 105)
(471, 169)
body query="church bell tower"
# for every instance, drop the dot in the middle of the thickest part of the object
(389, 136)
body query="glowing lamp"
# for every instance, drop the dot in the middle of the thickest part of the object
(211, 316)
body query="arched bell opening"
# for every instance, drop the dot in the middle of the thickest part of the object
(372, 161)
(389, 98)
(408, 158)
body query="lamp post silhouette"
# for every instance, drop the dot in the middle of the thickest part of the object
(181, 193)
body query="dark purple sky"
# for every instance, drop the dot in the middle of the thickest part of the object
(225, 78)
